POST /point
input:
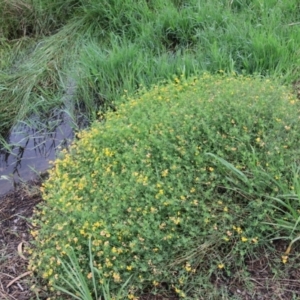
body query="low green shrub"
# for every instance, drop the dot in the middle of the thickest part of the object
(159, 208)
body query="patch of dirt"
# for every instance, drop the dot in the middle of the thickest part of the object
(271, 278)
(265, 276)
(15, 207)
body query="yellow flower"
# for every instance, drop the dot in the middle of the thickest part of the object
(221, 266)
(108, 152)
(34, 233)
(284, 258)
(153, 209)
(129, 268)
(244, 239)
(237, 229)
(254, 240)
(116, 277)
(188, 267)
(155, 283)
(97, 224)
(164, 173)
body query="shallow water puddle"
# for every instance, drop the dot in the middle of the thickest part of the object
(31, 151)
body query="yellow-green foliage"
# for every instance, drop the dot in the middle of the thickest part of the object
(141, 186)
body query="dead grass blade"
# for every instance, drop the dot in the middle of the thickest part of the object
(17, 278)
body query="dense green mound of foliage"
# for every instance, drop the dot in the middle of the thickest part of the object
(156, 186)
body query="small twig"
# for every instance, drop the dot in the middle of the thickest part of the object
(289, 280)
(256, 281)
(6, 275)
(5, 296)
(20, 287)
(17, 278)
(10, 217)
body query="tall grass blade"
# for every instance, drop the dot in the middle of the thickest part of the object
(240, 175)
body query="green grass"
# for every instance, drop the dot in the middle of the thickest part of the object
(112, 46)
(172, 192)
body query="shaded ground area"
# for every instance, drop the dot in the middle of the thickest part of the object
(15, 207)
(264, 277)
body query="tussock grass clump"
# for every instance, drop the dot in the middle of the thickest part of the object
(147, 188)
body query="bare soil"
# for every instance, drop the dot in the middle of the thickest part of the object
(15, 209)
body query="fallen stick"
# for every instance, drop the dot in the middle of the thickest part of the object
(17, 278)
